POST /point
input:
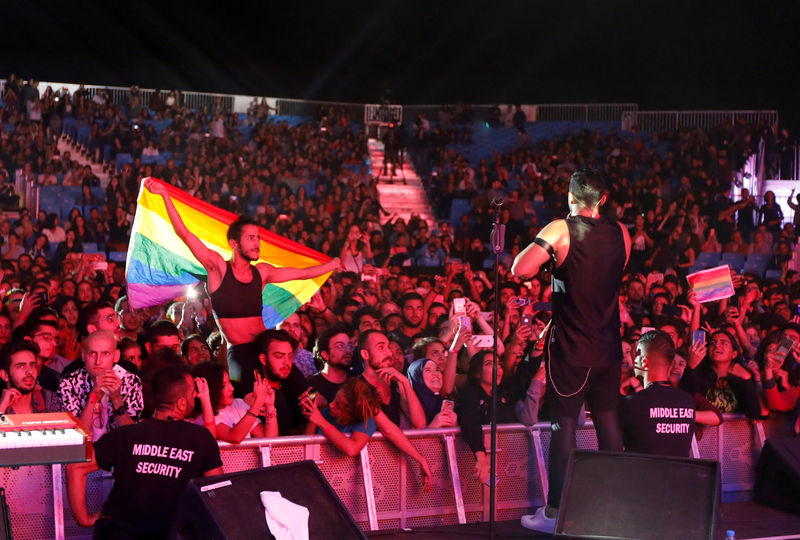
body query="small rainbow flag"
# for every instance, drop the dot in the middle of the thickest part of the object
(160, 266)
(712, 284)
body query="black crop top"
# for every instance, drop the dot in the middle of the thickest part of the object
(234, 299)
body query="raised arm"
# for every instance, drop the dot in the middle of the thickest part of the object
(272, 274)
(211, 260)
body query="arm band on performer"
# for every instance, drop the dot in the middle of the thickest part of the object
(545, 246)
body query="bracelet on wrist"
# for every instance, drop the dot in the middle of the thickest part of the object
(251, 413)
(269, 415)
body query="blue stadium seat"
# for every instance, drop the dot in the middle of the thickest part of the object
(773, 274)
(459, 208)
(734, 260)
(707, 259)
(760, 258)
(90, 247)
(117, 256)
(753, 267)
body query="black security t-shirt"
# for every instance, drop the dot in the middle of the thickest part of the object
(658, 420)
(152, 462)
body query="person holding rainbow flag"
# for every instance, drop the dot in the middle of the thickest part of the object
(236, 286)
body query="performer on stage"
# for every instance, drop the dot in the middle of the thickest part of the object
(583, 351)
(235, 286)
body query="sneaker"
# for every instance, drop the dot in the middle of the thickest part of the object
(539, 522)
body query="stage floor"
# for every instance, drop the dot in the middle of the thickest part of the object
(748, 519)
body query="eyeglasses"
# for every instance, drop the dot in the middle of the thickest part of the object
(46, 337)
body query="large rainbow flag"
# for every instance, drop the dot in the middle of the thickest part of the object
(160, 266)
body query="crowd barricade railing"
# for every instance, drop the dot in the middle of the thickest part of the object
(381, 487)
(671, 120)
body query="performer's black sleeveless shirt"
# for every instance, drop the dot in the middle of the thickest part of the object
(586, 294)
(235, 299)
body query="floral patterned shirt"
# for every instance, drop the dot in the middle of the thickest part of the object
(74, 389)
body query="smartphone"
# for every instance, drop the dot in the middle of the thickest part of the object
(234, 198)
(670, 311)
(543, 306)
(733, 301)
(784, 346)
(459, 306)
(43, 298)
(100, 265)
(466, 322)
(312, 394)
(519, 302)
(526, 320)
(448, 405)
(698, 336)
(482, 341)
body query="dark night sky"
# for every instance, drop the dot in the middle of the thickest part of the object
(661, 55)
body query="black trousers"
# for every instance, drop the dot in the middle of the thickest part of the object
(568, 386)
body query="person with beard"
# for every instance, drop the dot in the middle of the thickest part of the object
(276, 350)
(397, 395)
(235, 286)
(19, 368)
(335, 351)
(413, 312)
(44, 334)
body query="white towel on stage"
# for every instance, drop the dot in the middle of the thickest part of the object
(285, 519)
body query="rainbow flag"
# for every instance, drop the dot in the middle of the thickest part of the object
(160, 266)
(712, 284)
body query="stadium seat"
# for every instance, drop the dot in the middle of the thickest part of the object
(90, 247)
(753, 267)
(734, 260)
(707, 259)
(117, 256)
(760, 258)
(773, 274)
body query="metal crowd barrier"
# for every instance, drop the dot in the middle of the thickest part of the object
(666, 120)
(381, 488)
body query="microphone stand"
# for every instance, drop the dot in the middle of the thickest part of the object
(498, 244)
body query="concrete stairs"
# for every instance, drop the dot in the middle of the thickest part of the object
(82, 156)
(402, 193)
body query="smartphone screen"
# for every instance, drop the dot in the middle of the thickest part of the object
(698, 335)
(459, 306)
(784, 346)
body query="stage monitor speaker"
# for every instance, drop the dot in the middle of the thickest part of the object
(778, 474)
(229, 506)
(612, 495)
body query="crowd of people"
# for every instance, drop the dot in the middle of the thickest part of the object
(391, 340)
